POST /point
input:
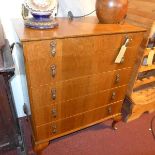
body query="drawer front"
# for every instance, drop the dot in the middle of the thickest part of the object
(66, 126)
(67, 90)
(76, 57)
(73, 107)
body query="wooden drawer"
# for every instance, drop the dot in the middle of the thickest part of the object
(68, 125)
(73, 107)
(76, 57)
(71, 89)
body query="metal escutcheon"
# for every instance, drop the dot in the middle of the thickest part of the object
(54, 129)
(113, 96)
(53, 70)
(53, 94)
(54, 112)
(128, 39)
(117, 80)
(109, 110)
(53, 48)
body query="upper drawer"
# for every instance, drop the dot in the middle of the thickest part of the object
(75, 57)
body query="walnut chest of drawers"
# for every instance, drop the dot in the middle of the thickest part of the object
(73, 80)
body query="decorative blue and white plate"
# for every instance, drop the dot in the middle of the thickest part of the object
(40, 6)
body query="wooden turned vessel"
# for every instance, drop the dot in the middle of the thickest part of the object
(111, 11)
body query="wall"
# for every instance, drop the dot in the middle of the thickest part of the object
(12, 9)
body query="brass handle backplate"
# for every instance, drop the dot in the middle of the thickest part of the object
(113, 96)
(117, 79)
(53, 93)
(53, 70)
(128, 40)
(109, 110)
(54, 112)
(53, 48)
(54, 129)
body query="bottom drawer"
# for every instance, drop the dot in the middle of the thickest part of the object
(65, 126)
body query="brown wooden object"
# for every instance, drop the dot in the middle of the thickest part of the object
(9, 131)
(142, 13)
(111, 11)
(73, 80)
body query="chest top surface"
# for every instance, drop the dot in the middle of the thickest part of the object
(82, 27)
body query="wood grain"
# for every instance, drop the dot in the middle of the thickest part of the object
(85, 76)
(43, 115)
(80, 27)
(144, 94)
(72, 89)
(109, 11)
(138, 110)
(78, 121)
(96, 53)
(142, 13)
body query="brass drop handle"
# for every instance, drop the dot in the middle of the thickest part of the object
(54, 112)
(53, 94)
(54, 129)
(53, 70)
(113, 96)
(53, 48)
(117, 80)
(109, 110)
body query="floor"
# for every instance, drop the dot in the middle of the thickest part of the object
(133, 138)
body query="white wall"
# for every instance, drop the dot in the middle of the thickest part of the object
(78, 7)
(12, 9)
